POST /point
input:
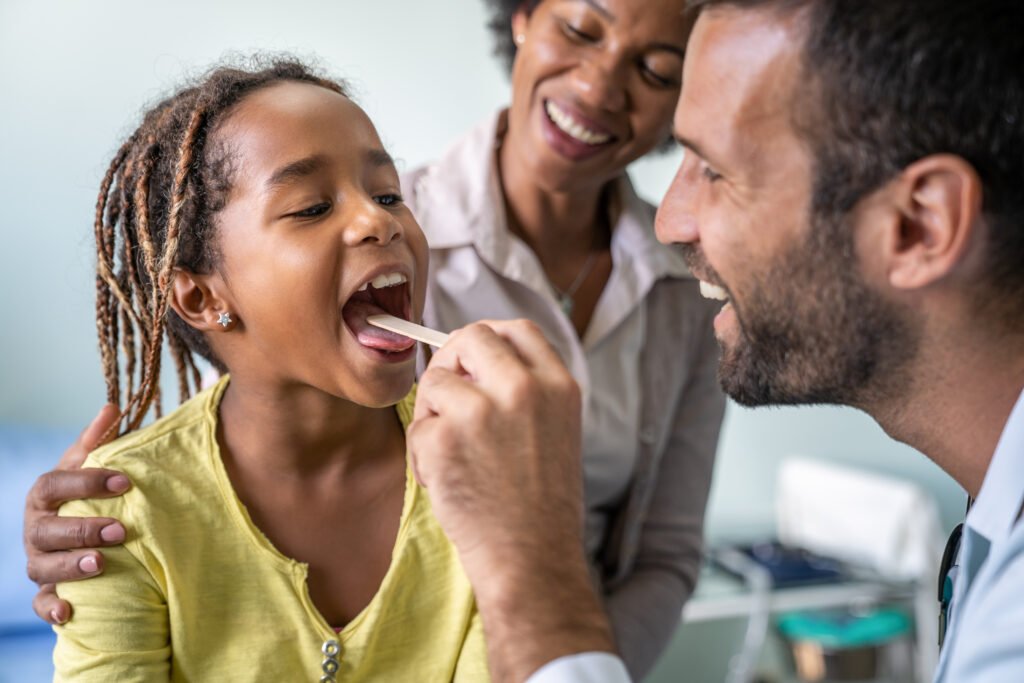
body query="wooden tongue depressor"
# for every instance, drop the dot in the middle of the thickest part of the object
(408, 329)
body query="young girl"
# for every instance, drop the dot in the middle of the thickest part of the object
(255, 219)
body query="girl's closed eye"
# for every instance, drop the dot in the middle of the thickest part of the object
(314, 211)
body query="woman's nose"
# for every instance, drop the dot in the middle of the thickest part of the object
(600, 83)
(370, 223)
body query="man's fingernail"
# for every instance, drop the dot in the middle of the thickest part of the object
(88, 564)
(57, 617)
(117, 483)
(112, 533)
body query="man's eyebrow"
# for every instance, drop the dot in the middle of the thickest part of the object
(692, 146)
(296, 170)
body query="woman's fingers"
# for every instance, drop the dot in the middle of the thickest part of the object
(54, 488)
(51, 568)
(69, 533)
(49, 607)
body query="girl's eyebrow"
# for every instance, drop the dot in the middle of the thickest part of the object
(307, 166)
(379, 157)
(296, 170)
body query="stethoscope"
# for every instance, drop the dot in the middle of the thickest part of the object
(948, 571)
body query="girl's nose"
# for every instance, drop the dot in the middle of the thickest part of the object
(371, 223)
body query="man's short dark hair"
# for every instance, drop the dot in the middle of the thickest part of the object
(898, 80)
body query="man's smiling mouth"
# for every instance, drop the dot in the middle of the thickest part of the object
(710, 291)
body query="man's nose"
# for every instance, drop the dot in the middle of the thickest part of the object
(676, 221)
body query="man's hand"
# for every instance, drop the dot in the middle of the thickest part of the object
(496, 442)
(54, 544)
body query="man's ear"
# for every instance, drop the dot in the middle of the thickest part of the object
(197, 300)
(939, 199)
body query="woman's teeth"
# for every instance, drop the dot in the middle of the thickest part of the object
(568, 125)
(384, 280)
(710, 291)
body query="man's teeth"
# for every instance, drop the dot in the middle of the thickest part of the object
(384, 280)
(568, 125)
(710, 291)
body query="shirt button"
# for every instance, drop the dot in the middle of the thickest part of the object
(648, 435)
(331, 648)
(327, 679)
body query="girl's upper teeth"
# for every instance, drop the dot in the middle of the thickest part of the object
(710, 291)
(567, 124)
(384, 280)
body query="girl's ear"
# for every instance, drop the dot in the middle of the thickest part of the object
(195, 298)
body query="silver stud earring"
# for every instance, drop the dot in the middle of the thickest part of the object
(224, 319)
(520, 38)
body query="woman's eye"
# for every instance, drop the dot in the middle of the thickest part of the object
(577, 34)
(313, 211)
(388, 199)
(658, 79)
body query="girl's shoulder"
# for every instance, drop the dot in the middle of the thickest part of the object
(167, 445)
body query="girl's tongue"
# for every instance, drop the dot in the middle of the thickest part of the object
(374, 302)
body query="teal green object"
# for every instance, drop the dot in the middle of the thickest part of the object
(840, 630)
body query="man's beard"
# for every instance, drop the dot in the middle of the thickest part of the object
(811, 331)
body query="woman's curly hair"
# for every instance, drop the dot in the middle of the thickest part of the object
(500, 25)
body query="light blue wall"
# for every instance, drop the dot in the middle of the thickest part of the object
(73, 76)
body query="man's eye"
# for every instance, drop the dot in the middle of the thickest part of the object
(388, 199)
(709, 174)
(313, 211)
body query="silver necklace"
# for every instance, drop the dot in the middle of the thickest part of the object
(565, 300)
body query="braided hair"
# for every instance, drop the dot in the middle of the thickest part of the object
(156, 212)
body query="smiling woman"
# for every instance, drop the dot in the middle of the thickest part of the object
(531, 215)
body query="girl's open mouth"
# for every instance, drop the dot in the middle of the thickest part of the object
(386, 293)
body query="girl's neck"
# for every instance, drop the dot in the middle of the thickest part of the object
(301, 432)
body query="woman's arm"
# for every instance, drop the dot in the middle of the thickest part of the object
(48, 537)
(645, 608)
(120, 630)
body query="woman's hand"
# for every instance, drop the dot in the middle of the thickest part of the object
(61, 548)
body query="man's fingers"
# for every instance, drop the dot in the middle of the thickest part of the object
(49, 607)
(91, 437)
(69, 533)
(529, 342)
(54, 488)
(73, 565)
(489, 358)
(442, 389)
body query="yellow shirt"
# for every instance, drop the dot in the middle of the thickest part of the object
(198, 593)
